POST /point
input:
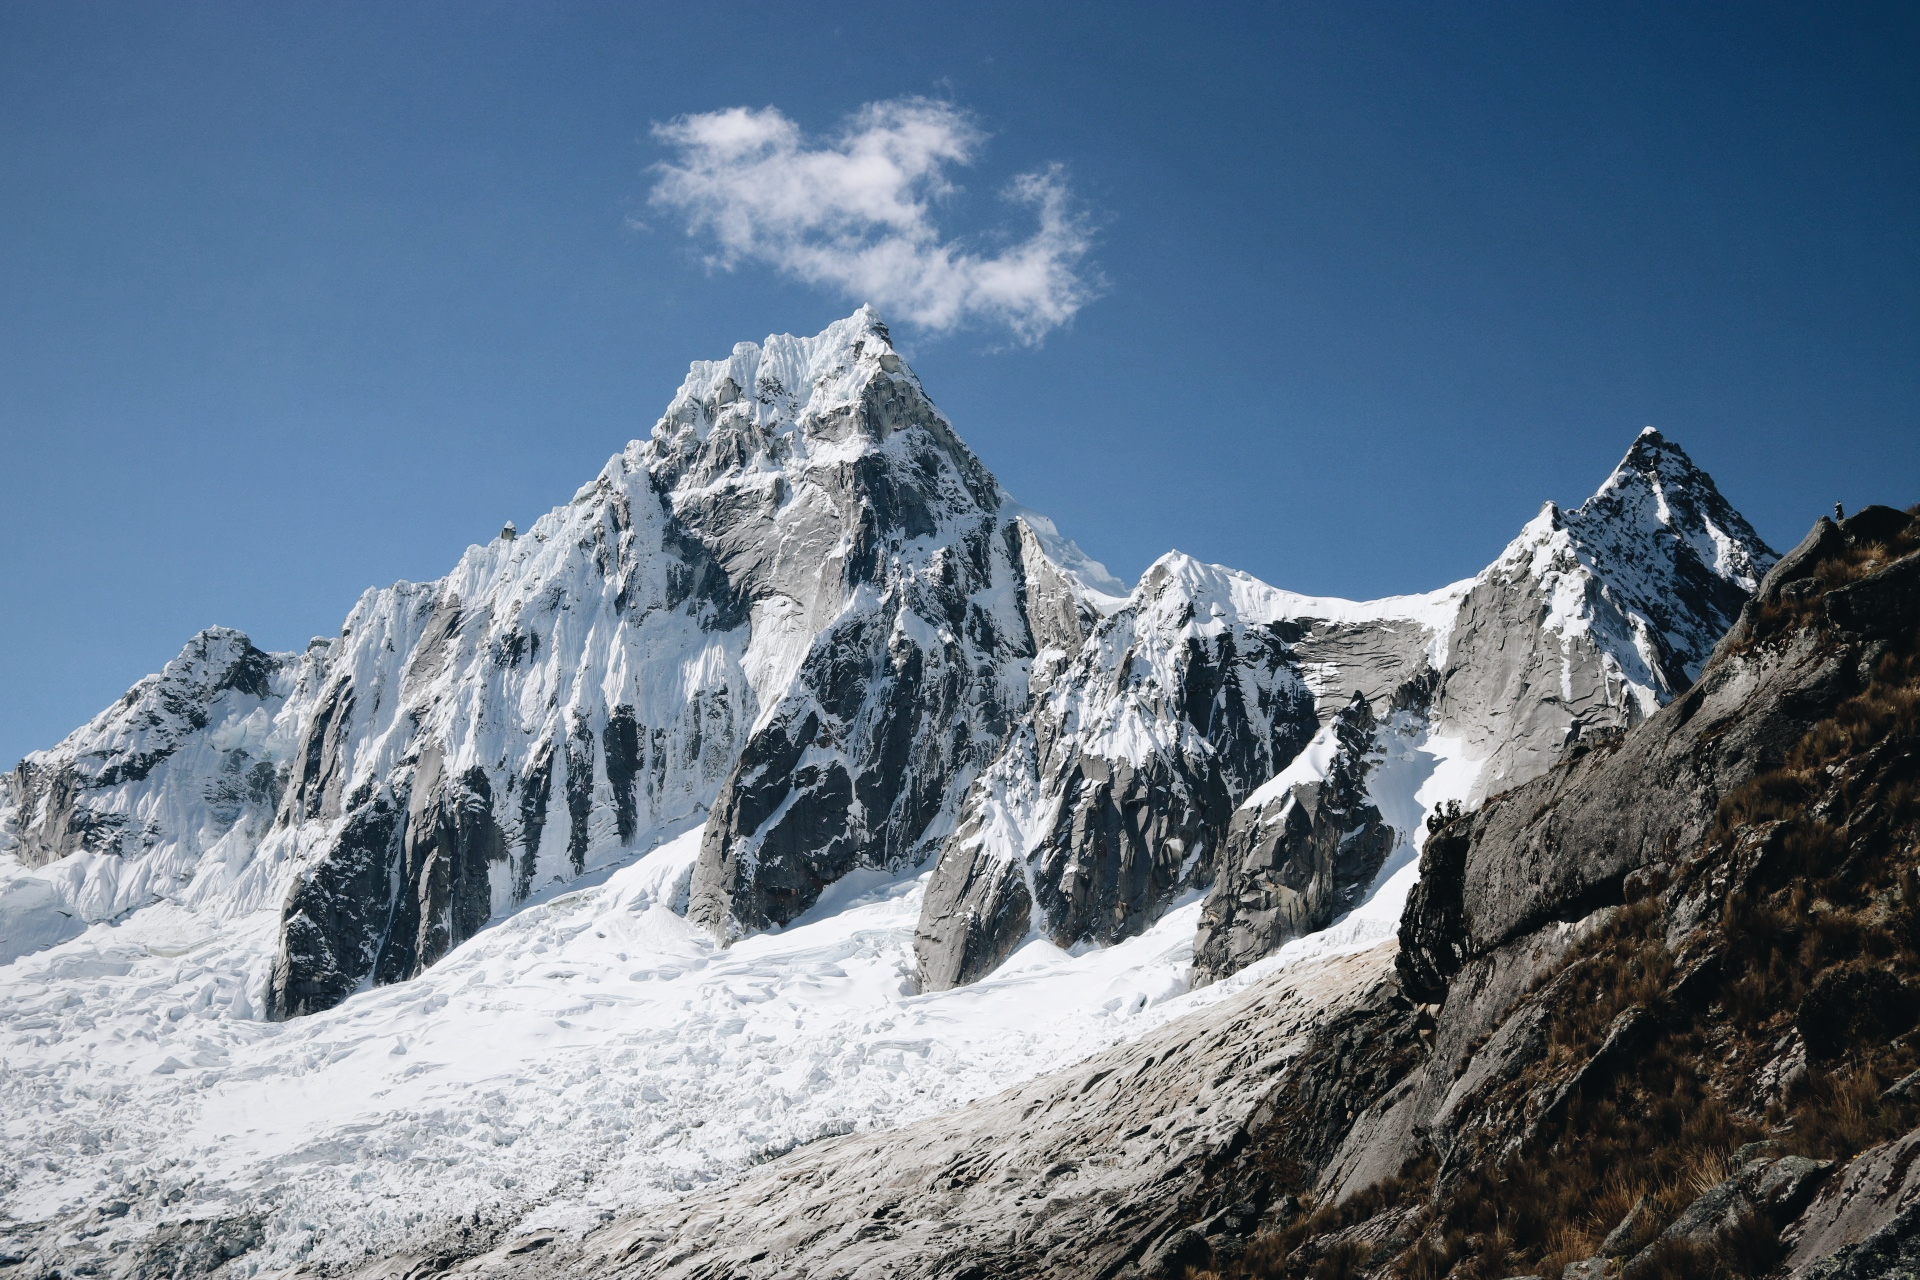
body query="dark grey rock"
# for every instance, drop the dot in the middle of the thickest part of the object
(334, 920)
(1632, 1031)
(406, 880)
(1434, 941)
(1902, 1088)
(1851, 1004)
(1287, 867)
(1171, 1257)
(1876, 523)
(1784, 1186)
(1866, 1220)
(1882, 604)
(1632, 1232)
(1822, 542)
(1717, 1209)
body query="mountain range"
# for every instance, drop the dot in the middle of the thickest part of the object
(795, 775)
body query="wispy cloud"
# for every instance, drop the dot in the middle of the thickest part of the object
(855, 211)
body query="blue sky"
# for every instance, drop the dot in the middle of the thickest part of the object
(300, 299)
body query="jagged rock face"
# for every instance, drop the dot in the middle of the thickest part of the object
(1114, 797)
(1787, 770)
(1563, 845)
(1566, 844)
(1296, 853)
(1593, 618)
(803, 616)
(908, 691)
(801, 613)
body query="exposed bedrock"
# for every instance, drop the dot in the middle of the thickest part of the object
(1507, 892)
(888, 711)
(1294, 860)
(1127, 837)
(1563, 845)
(405, 881)
(1517, 692)
(336, 915)
(907, 695)
(1593, 618)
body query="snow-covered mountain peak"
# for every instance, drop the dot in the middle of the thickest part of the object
(800, 606)
(1656, 547)
(774, 657)
(786, 380)
(1622, 600)
(215, 687)
(1657, 493)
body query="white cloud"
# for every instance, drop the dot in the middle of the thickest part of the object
(856, 212)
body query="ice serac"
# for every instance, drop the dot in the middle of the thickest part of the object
(1593, 618)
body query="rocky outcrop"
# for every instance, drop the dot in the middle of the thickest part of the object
(1296, 853)
(1112, 799)
(1564, 845)
(906, 695)
(1866, 1223)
